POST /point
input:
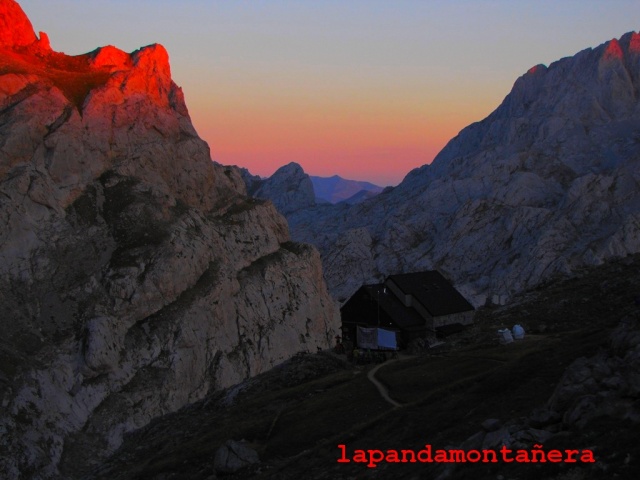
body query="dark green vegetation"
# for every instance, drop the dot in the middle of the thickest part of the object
(297, 414)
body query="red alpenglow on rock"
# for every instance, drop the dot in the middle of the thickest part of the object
(15, 28)
(147, 70)
(110, 90)
(613, 50)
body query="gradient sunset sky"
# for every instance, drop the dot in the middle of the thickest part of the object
(366, 89)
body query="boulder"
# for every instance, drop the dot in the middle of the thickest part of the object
(495, 439)
(233, 456)
(491, 424)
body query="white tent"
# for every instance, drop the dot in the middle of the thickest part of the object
(376, 338)
(505, 337)
(518, 332)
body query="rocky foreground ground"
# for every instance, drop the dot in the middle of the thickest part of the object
(572, 383)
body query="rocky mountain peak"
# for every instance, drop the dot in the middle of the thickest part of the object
(152, 74)
(289, 188)
(143, 72)
(117, 96)
(634, 42)
(627, 45)
(15, 27)
(147, 71)
(613, 50)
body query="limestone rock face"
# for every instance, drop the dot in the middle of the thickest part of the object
(135, 274)
(289, 188)
(547, 183)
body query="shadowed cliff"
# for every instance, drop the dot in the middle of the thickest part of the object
(135, 274)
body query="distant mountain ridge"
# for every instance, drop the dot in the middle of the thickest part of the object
(336, 189)
(291, 189)
(360, 197)
(547, 183)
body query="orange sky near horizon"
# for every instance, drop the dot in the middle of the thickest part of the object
(373, 132)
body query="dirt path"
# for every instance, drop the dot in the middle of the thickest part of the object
(381, 388)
